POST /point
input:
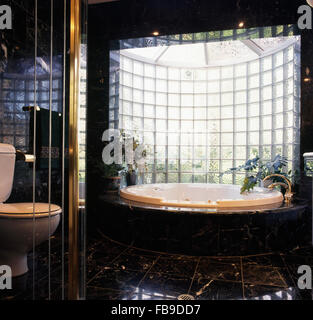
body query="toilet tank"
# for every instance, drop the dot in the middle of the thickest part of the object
(7, 165)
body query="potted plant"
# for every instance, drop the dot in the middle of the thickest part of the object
(138, 160)
(257, 171)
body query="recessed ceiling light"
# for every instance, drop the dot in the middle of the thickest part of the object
(307, 79)
(155, 33)
(241, 24)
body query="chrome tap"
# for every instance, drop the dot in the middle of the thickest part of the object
(287, 185)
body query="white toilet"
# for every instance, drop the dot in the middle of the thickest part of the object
(17, 219)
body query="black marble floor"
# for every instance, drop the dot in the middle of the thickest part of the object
(118, 272)
(126, 273)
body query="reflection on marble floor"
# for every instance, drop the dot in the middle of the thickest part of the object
(118, 272)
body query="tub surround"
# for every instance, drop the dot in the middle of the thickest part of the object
(205, 231)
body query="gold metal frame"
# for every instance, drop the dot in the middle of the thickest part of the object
(75, 41)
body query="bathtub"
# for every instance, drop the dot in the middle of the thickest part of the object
(200, 195)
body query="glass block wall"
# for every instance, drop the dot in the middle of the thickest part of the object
(200, 122)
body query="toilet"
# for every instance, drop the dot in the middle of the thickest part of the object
(19, 221)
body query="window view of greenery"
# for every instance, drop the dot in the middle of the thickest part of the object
(205, 107)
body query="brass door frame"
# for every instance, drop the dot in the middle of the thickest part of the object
(74, 85)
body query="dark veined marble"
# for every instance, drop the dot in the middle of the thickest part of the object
(205, 232)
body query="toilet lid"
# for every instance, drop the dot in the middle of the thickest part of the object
(41, 209)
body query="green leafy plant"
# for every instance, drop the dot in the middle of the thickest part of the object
(258, 171)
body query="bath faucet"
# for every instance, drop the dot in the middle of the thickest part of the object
(287, 185)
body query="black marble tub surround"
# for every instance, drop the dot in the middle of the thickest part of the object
(193, 231)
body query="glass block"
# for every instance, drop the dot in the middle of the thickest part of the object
(187, 113)
(278, 90)
(161, 98)
(173, 139)
(240, 138)
(213, 86)
(187, 100)
(241, 83)
(149, 84)
(240, 125)
(267, 78)
(290, 119)
(149, 124)
(213, 165)
(240, 152)
(199, 74)
(213, 125)
(149, 138)
(290, 86)
(254, 81)
(227, 72)
(126, 64)
(149, 97)
(267, 93)
(279, 74)
(161, 125)
(200, 139)
(174, 86)
(266, 123)
(161, 138)
(127, 93)
(227, 99)
(226, 165)
(186, 87)
(227, 152)
(267, 63)
(173, 152)
(254, 109)
(290, 135)
(290, 53)
(227, 85)
(199, 152)
(227, 125)
(200, 100)
(278, 136)
(213, 100)
(186, 126)
(290, 69)
(279, 105)
(173, 99)
(127, 79)
(241, 70)
(227, 112)
(186, 152)
(213, 73)
(186, 74)
(199, 165)
(213, 178)
(160, 178)
(173, 112)
(186, 139)
(266, 137)
(278, 58)
(253, 138)
(254, 67)
(185, 166)
(240, 111)
(149, 111)
(240, 97)
(226, 139)
(239, 178)
(254, 95)
(173, 125)
(161, 72)
(213, 138)
(127, 123)
(253, 152)
(290, 102)
(278, 121)
(161, 112)
(266, 152)
(213, 153)
(267, 107)
(254, 123)
(149, 70)
(173, 177)
(278, 150)
(200, 113)
(138, 67)
(173, 165)
(200, 126)
(160, 154)
(200, 178)
(186, 178)
(200, 87)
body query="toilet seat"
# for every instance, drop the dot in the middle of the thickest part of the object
(25, 210)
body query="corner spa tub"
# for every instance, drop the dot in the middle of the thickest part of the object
(200, 195)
